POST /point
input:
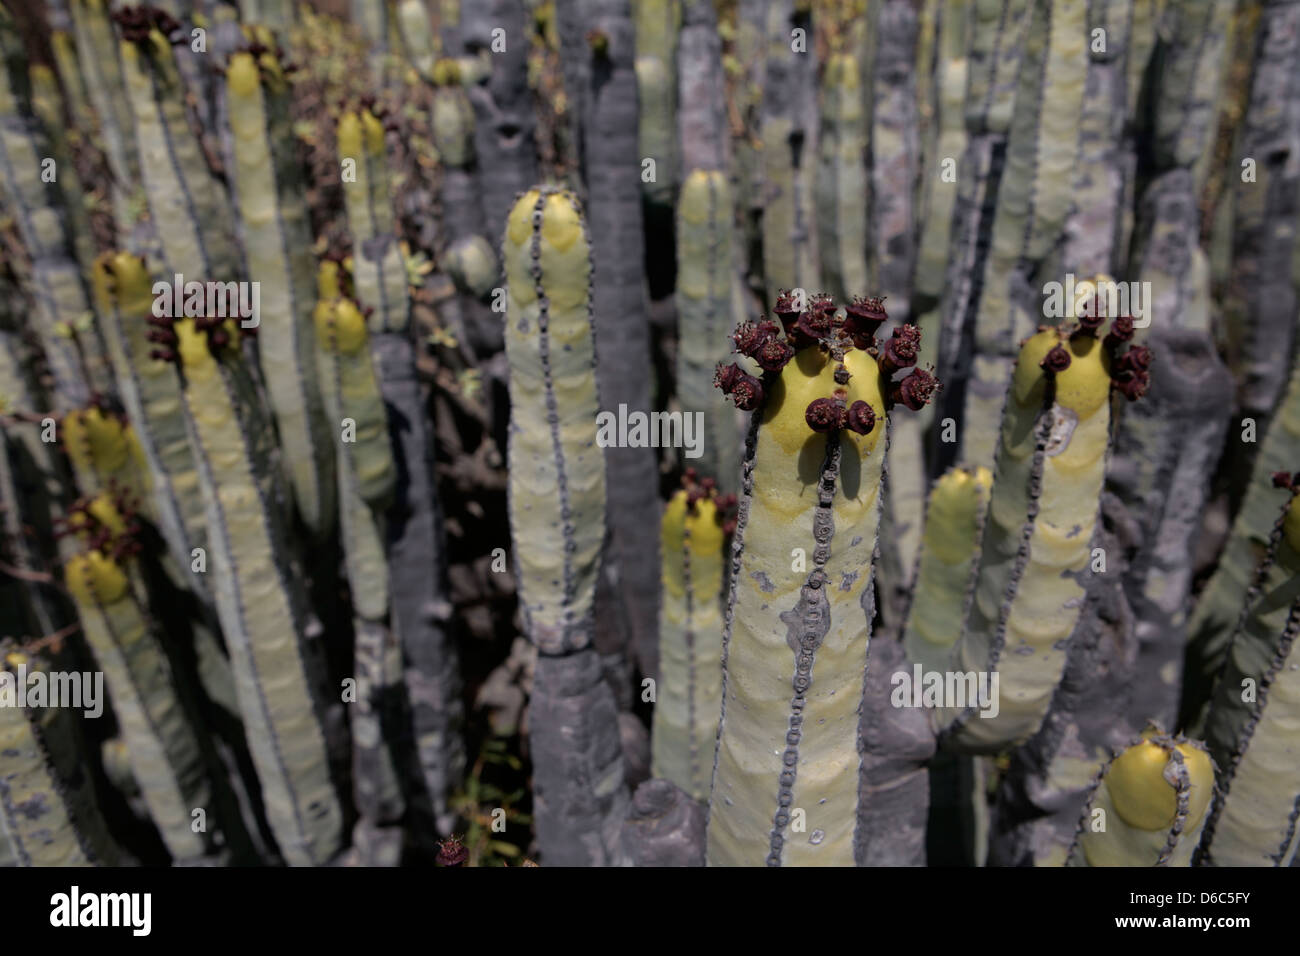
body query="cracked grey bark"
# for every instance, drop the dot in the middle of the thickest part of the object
(1260, 301)
(894, 784)
(664, 827)
(624, 371)
(577, 763)
(413, 548)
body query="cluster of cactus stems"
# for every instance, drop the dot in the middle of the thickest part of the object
(828, 231)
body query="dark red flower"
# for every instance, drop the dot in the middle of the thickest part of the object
(916, 390)
(774, 355)
(726, 376)
(745, 390)
(1283, 479)
(1136, 359)
(901, 350)
(451, 852)
(1090, 325)
(861, 418)
(862, 320)
(752, 336)
(814, 325)
(1133, 385)
(824, 414)
(1056, 360)
(787, 310)
(1121, 330)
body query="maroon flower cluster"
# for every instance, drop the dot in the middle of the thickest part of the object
(862, 319)
(97, 536)
(1131, 368)
(915, 390)
(451, 852)
(1283, 479)
(745, 390)
(828, 414)
(699, 489)
(772, 347)
(136, 22)
(163, 334)
(1056, 360)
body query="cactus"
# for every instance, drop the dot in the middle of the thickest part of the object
(557, 508)
(377, 269)
(710, 300)
(995, 52)
(946, 142)
(890, 77)
(504, 143)
(706, 307)
(188, 207)
(690, 647)
(104, 452)
(470, 259)
(56, 287)
(1149, 806)
(152, 396)
(610, 168)
(657, 24)
(48, 105)
(366, 477)
(1036, 542)
(106, 91)
(1260, 301)
(276, 234)
(413, 525)
(259, 605)
(841, 180)
(788, 154)
(290, 496)
(1218, 606)
(48, 812)
(954, 517)
(417, 35)
(814, 462)
(1165, 446)
(163, 752)
(1251, 724)
(1033, 198)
